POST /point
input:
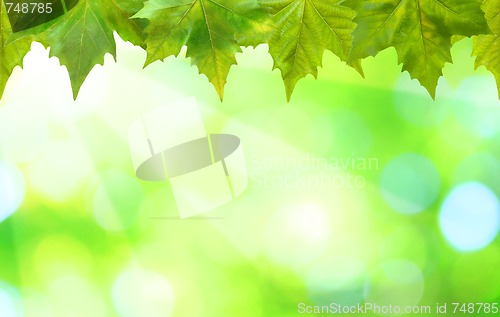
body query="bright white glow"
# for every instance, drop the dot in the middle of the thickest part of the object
(139, 293)
(297, 235)
(470, 217)
(9, 306)
(309, 221)
(12, 189)
(410, 183)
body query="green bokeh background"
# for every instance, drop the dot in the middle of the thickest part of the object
(90, 239)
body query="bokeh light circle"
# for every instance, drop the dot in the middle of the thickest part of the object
(61, 170)
(76, 296)
(58, 255)
(470, 217)
(138, 293)
(477, 107)
(21, 143)
(396, 282)
(410, 183)
(409, 241)
(341, 278)
(12, 189)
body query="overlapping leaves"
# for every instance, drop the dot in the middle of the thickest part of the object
(297, 32)
(85, 34)
(11, 53)
(82, 36)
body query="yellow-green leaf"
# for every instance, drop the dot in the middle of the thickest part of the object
(82, 37)
(487, 47)
(212, 30)
(11, 52)
(304, 29)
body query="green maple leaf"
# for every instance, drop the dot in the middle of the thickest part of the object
(304, 30)
(420, 30)
(11, 52)
(82, 37)
(212, 30)
(487, 47)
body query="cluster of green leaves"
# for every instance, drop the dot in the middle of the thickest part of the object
(297, 32)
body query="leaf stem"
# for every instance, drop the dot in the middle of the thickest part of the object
(63, 2)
